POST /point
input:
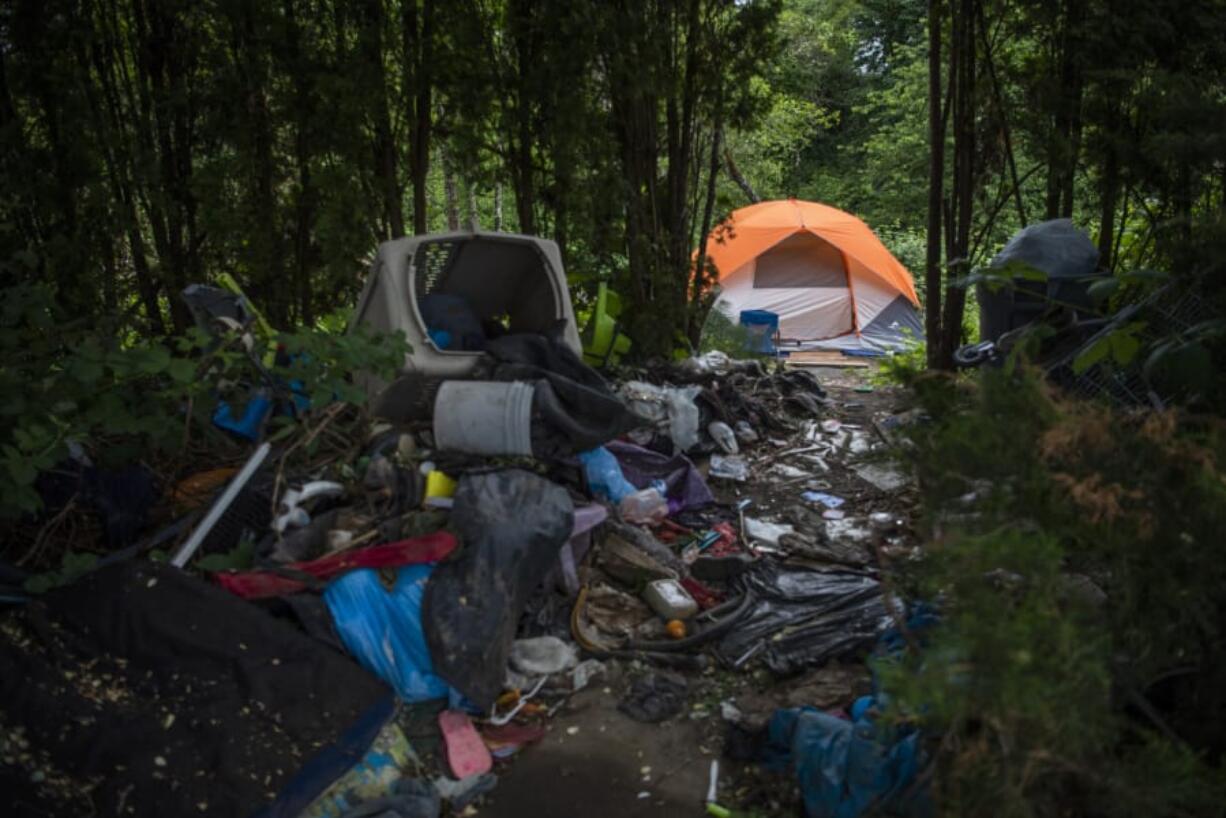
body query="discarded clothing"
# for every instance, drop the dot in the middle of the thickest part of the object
(161, 676)
(578, 409)
(513, 524)
(459, 794)
(803, 617)
(846, 768)
(382, 628)
(409, 798)
(642, 467)
(655, 697)
(281, 581)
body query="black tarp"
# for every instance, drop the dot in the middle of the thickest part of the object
(511, 526)
(803, 617)
(145, 687)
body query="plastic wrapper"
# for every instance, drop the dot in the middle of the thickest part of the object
(604, 475)
(731, 467)
(664, 406)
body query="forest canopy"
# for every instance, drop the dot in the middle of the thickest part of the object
(148, 144)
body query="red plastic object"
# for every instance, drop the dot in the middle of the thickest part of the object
(261, 584)
(726, 544)
(704, 596)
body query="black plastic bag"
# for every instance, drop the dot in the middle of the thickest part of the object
(511, 526)
(822, 616)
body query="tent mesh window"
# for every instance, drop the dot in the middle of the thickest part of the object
(801, 260)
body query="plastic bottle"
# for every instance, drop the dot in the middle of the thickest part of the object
(644, 506)
(723, 436)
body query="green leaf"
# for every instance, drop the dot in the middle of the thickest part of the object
(85, 370)
(1093, 354)
(1102, 290)
(181, 370)
(1124, 347)
(239, 559)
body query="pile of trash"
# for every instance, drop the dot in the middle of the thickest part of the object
(420, 597)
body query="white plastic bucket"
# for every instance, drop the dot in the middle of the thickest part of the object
(484, 417)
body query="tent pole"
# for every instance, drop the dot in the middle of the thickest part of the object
(851, 291)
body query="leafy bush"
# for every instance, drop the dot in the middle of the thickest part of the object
(64, 383)
(721, 332)
(1074, 551)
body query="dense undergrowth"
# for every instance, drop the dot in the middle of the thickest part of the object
(72, 392)
(1074, 554)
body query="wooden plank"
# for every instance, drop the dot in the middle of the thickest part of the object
(827, 357)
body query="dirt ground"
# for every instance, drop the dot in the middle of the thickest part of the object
(595, 761)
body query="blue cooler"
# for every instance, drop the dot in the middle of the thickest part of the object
(763, 326)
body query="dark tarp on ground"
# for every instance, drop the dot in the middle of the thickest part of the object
(264, 717)
(511, 524)
(826, 614)
(579, 409)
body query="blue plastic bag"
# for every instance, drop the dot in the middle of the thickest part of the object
(604, 475)
(382, 629)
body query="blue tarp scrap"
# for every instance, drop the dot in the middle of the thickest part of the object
(847, 767)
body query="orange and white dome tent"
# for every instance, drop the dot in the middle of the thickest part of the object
(827, 276)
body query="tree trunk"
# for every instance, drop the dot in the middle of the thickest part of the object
(1109, 190)
(384, 147)
(451, 193)
(498, 207)
(165, 52)
(263, 246)
(958, 262)
(472, 214)
(1063, 147)
(734, 173)
(1002, 112)
(305, 204)
(936, 183)
(109, 123)
(418, 50)
(699, 284)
